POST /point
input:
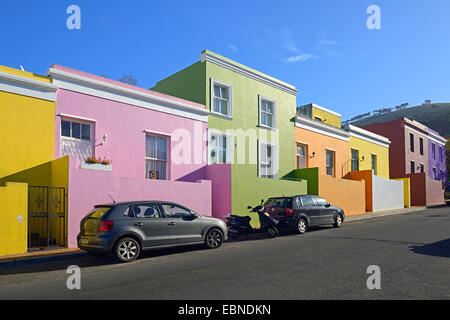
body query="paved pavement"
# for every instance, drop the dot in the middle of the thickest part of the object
(411, 250)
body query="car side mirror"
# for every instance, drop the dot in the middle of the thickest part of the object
(327, 205)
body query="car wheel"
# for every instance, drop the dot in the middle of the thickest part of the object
(338, 221)
(273, 231)
(127, 250)
(214, 239)
(301, 226)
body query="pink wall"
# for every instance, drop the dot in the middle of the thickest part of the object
(220, 176)
(90, 187)
(124, 125)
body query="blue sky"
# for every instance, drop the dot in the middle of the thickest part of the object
(322, 47)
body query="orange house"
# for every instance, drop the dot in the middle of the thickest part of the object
(325, 147)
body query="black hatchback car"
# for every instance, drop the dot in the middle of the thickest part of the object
(300, 212)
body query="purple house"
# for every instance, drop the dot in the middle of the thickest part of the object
(436, 156)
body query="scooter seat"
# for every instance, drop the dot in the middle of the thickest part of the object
(241, 218)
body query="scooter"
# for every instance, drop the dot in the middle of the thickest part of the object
(239, 225)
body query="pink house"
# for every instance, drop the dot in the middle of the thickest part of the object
(153, 140)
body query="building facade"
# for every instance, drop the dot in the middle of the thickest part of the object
(249, 127)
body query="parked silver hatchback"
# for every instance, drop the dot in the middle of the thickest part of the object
(125, 229)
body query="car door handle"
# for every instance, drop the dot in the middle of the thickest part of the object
(139, 224)
(171, 223)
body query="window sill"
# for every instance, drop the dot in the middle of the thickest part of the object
(261, 126)
(96, 166)
(221, 115)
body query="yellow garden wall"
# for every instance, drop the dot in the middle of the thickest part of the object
(407, 191)
(13, 229)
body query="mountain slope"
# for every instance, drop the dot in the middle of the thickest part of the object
(435, 116)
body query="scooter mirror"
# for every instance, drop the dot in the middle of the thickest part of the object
(249, 207)
(262, 201)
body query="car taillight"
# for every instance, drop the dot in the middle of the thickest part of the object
(289, 211)
(105, 226)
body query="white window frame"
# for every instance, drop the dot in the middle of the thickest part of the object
(229, 147)
(229, 114)
(80, 122)
(274, 112)
(334, 163)
(274, 160)
(156, 159)
(306, 146)
(375, 171)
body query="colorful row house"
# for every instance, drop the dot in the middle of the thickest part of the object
(215, 137)
(248, 130)
(418, 153)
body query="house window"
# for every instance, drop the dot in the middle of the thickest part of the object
(421, 146)
(374, 164)
(77, 139)
(422, 168)
(433, 151)
(411, 142)
(156, 156)
(413, 167)
(267, 115)
(221, 98)
(440, 155)
(268, 156)
(355, 160)
(435, 174)
(330, 163)
(219, 146)
(302, 156)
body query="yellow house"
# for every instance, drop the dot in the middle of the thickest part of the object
(318, 113)
(27, 120)
(368, 151)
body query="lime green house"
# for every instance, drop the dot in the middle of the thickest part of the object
(250, 130)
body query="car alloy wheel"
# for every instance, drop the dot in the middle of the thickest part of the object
(127, 250)
(301, 226)
(214, 239)
(338, 222)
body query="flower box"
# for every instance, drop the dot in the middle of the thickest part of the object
(96, 166)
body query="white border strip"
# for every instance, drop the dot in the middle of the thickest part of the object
(72, 82)
(207, 56)
(323, 109)
(369, 136)
(27, 87)
(322, 129)
(63, 115)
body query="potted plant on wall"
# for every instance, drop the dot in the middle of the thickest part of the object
(95, 163)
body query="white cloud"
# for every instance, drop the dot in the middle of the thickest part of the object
(300, 58)
(329, 42)
(233, 47)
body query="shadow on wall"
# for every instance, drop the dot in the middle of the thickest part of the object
(437, 249)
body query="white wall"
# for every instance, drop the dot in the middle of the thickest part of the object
(387, 194)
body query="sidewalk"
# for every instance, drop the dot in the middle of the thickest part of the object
(38, 257)
(385, 213)
(46, 256)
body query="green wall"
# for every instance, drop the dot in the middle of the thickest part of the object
(247, 187)
(309, 174)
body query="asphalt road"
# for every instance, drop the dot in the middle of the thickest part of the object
(412, 251)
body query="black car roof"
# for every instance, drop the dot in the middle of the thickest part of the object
(299, 195)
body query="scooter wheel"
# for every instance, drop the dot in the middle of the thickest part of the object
(273, 232)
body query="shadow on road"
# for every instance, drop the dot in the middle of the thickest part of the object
(437, 249)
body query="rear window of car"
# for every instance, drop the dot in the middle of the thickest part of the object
(98, 212)
(279, 202)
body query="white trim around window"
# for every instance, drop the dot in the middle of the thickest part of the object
(224, 149)
(268, 161)
(226, 100)
(272, 115)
